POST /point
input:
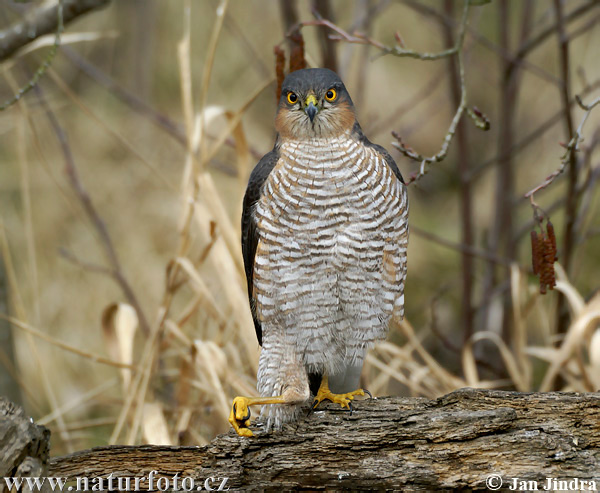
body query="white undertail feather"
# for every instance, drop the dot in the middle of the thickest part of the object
(330, 263)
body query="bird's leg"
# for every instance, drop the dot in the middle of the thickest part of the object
(344, 400)
(239, 417)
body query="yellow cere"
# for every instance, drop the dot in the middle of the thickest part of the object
(311, 99)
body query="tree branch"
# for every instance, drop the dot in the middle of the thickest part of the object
(43, 20)
(387, 443)
(572, 149)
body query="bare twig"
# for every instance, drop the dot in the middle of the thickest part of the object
(535, 41)
(86, 201)
(570, 156)
(500, 238)
(456, 49)
(470, 250)
(45, 64)
(207, 72)
(409, 104)
(429, 11)
(441, 155)
(289, 14)
(44, 20)
(42, 335)
(459, 98)
(538, 132)
(133, 101)
(397, 50)
(322, 10)
(572, 149)
(88, 266)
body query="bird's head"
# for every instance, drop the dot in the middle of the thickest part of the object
(314, 103)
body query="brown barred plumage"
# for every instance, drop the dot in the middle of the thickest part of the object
(324, 233)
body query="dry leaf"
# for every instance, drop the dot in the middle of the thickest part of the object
(154, 425)
(119, 325)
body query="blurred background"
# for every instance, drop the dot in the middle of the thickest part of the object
(123, 306)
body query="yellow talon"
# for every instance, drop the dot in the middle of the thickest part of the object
(239, 417)
(343, 400)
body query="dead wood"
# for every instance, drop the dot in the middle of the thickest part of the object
(40, 21)
(24, 446)
(455, 441)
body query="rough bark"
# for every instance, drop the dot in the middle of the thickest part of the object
(42, 20)
(24, 446)
(455, 441)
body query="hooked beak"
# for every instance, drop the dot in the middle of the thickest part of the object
(311, 107)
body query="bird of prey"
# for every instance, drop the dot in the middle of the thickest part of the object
(324, 238)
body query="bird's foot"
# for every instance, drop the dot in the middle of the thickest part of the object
(344, 400)
(239, 417)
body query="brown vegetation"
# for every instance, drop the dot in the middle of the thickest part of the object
(123, 171)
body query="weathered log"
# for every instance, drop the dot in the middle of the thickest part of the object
(456, 441)
(24, 446)
(40, 21)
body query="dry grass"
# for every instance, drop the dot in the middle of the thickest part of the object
(86, 368)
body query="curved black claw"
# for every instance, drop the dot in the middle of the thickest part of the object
(368, 393)
(350, 408)
(246, 418)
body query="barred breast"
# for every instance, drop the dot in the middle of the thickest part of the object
(331, 257)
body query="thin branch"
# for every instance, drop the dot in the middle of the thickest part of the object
(88, 266)
(456, 49)
(441, 155)
(587, 188)
(397, 50)
(322, 10)
(289, 14)
(459, 98)
(470, 250)
(500, 237)
(41, 70)
(134, 102)
(44, 20)
(570, 156)
(207, 72)
(42, 335)
(409, 104)
(554, 206)
(541, 37)
(428, 11)
(90, 210)
(572, 149)
(531, 137)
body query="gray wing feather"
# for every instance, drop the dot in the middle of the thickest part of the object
(249, 230)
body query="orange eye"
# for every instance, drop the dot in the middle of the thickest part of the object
(291, 97)
(331, 95)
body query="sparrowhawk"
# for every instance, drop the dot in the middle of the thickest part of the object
(324, 238)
